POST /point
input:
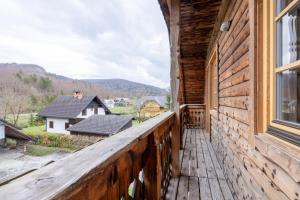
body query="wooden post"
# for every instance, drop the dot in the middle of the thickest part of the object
(175, 66)
(252, 70)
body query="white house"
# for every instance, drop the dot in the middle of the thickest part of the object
(66, 111)
(109, 103)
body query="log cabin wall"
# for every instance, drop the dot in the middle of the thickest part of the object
(249, 174)
(255, 166)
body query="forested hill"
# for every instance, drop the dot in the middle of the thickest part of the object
(133, 88)
(33, 87)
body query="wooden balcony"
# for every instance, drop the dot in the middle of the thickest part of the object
(201, 175)
(135, 164)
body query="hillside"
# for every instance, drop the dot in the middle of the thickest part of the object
(133, 88)
(28, 88)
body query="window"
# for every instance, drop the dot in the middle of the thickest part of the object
(96, 110)
(67, 125)
(284, 68)
(51, 124)
(84, 112)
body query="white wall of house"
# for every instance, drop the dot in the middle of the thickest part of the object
(58, 125)
(2, 132)
(90, 112)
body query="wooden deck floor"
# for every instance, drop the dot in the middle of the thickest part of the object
(201, 175)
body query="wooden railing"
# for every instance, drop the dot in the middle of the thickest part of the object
(134, 164)
(193, 115)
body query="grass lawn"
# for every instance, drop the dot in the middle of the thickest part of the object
(124, 110)
(35, 130)
(23, 119)
(37, 150)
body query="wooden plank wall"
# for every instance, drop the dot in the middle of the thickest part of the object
(250, 175)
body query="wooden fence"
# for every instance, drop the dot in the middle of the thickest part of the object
(193, 115)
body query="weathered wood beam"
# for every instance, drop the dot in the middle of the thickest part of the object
(175, 66)
(252, 71)
(216, 30)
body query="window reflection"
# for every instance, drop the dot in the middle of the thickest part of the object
(288, 96)
(282, 4)
(288, 37)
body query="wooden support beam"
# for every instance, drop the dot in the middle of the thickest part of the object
(252, 71)
(175, 67)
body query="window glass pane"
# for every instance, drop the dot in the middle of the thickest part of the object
(288, 96)
(282, 4)
(288, 37)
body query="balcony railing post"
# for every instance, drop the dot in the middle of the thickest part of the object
(176, 146)
(152, 170)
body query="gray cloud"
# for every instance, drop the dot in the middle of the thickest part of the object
(88, 39)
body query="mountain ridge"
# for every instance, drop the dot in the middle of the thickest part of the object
(117, 86)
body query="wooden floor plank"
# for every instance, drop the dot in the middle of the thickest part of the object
(194, 193)
(172, 189)
(200, 157)
(183, 186)
(211, 173)
(193, 163)
(202, 177)
(226, 190)
(205, 193)
(216, 191)
(215, 162)
(185, 167)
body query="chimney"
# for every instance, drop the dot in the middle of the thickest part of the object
(77, 94)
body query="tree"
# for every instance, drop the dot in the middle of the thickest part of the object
(45, 83)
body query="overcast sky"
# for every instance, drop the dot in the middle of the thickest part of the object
(87, 38)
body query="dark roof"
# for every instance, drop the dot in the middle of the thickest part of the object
(15, 131)
(161, 100)
(101, 124)
(70, 107)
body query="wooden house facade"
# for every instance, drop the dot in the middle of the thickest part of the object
(233, 130)
(236, 57)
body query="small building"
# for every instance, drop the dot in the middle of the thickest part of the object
(101, 125)
(110, 103)
(8, 130)
(151, 106)
(122, 101)
(66, 111)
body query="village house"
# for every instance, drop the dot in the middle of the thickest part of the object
(110, 103)
(233, 131)
(8, 130)
(101, 125)
(121, 101)
(151, 106)
(66, 111)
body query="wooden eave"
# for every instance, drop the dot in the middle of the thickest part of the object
(198, 19)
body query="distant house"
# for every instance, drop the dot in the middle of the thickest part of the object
(150, 106)
(101, 125)
(121, 101)
(110, 103)
(66, 111)
(8, 130)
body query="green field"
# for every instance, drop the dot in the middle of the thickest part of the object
(35, 130)
(38, 150)
(124, 110)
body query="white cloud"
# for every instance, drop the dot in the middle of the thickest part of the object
(94, 39)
